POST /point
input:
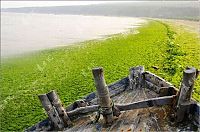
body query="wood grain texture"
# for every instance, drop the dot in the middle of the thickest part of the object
(51, 112)
(104, 101)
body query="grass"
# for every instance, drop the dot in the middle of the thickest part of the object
(68, 69)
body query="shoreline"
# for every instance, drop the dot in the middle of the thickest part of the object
(50, 31)
(68, 70)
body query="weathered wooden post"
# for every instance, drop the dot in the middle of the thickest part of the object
(104, 100)
(135, 77)
(185, 93)
(52, 113)
(55, 101)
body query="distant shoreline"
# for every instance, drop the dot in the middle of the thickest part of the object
(155, 9)
(68, 69)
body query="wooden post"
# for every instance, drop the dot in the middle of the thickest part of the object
(104, 100)
(185, 93)
(52, 113)
(55, 101)
(135, 77)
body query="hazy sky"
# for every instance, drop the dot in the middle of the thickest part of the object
(13, 4)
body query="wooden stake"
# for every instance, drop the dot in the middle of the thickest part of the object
(104, 100)
(55, 101)
(52, 113)
(185, 93)
(135, 77)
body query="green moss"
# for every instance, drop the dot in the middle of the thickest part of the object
(189, 45)
(68, 69)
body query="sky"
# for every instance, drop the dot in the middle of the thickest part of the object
(15, 4)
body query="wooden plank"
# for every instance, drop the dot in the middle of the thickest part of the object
(158, 81)
(55, 101)
(52, 113)
(160, 101)
(83, 110)
(104, 100)
(154, 102)
(152, 86)
(162, 91)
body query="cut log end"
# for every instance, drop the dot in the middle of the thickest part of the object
(104, 100)
(52, 96)
(97, 71)
(190, 70)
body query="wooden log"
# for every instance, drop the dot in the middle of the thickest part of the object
(52, 113)
(185, 93)
(55, 101)
(158, 81)
(155, 102)
(162, 91)
(135, 77)
(104, 100)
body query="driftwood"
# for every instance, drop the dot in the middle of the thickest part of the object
(104, 100)
(55, 101)
(51, 111)
(185, 93)
(135, 77)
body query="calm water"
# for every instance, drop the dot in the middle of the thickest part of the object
(21, 33)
